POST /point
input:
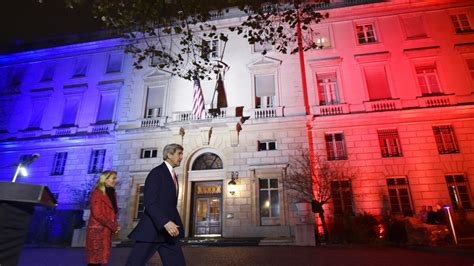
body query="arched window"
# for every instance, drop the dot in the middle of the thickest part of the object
(207, 161)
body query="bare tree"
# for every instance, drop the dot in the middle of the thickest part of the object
(180, 34)
(305, 183)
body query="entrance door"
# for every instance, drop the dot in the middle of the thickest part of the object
(207, 209)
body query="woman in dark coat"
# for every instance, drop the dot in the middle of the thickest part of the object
(103, 220)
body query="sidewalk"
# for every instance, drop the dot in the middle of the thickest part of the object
(268, 255)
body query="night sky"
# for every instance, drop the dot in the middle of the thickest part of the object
(27, 21)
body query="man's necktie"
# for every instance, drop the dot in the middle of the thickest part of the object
(175, 181)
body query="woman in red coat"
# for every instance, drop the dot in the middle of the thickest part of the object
(102, 221)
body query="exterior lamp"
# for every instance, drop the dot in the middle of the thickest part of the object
(231, 185)
(20, 170)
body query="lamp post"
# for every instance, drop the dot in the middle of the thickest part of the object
(234, 175)
(451, 224)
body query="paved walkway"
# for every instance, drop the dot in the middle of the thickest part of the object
(270, 255)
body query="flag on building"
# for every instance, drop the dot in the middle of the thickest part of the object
(198, 100)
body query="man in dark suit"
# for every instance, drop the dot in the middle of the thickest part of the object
(160, 227)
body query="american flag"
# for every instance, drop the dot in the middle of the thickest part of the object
(198, 100)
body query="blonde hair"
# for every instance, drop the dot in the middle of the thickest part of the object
(104, 176)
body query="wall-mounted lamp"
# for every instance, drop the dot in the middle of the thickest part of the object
(234, 175)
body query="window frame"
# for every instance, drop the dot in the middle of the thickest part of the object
(365, 33)
(324, 89)
(397, 187)
(335, 148)
(97, 158)
(59, 163)
(270, 219)
(153, 153)
(340, 190)
(456, 184)
(456, 21)
(268, 144)
(140, 201)
(441, 139)
(388, 148)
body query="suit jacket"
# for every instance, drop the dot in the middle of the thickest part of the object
(160, 207)
(102, 224)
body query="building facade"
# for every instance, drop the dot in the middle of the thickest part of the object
(391, 94)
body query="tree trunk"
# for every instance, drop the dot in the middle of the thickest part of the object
(325, 227)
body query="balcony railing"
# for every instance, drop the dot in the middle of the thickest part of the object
(217, 113)
(258, 113)
(335, 109)
(153, 122)
(65, 131)
(436, 100)
(383, 105)
(101, 129)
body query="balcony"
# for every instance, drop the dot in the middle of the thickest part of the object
(64, 131)
(383, 105)
(436, 100)
(269, 112)
(333, 109)
(153, 122)
(216, 113)
(101, 128)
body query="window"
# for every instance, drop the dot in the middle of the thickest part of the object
(210, 49)
(259, 48)
(96, 162)
(37, 112)
(445, 139)
(399, 196)
(106, 108)
(414, 27)
(321, 38)
(59, 163)
(48, 73)
(15, 77)
(207, 161)
(114, 63)
(366, 33)
(71, 108)
(267, 145)
(389, 143)
(461, 23)
(264, 91)
(341, 193)
(140, 207)
(328, 90)
(154, 102)
(80, 69)
(377, 83)
(149, 153)
(428, 79)
(335, 146)
(470, 65)
(458, 191)
(269, 200)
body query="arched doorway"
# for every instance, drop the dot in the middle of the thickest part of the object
(206, 195)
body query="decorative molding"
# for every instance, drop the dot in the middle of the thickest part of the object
(75, 88)
(325, 62)
(464, 48)
(430, 51)
(372, 57)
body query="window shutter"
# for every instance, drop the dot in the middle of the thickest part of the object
(265, 85)
(377, 83)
